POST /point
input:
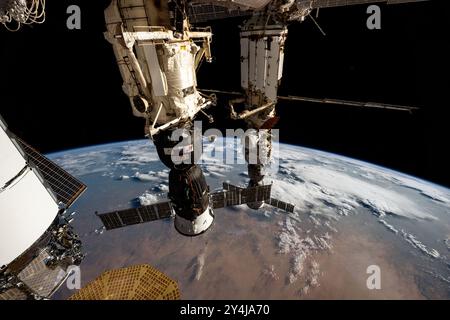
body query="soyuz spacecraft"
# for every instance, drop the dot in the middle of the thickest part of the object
(158, 52)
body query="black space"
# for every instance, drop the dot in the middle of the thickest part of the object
(61, 89)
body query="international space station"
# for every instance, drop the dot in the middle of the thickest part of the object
(158, 52)
(159, 46)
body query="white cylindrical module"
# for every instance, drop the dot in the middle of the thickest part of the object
(262, 57)
(157, 62)
(178, 63)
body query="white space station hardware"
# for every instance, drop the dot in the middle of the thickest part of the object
(36, 242)
(157, 61)
(158, 52)
(262, 39)
(27, 206)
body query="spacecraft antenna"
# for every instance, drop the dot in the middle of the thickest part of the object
(15, 13)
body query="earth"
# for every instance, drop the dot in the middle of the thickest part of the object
(351, 218)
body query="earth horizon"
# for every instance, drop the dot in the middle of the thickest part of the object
(350, 216)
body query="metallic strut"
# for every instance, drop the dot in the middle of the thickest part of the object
(349, 103)
(340, 102)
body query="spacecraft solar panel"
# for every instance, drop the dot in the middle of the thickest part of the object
(66, 187)
(202, 12)
(241, 196)
(127, 217)
(339, 3)
(281, 205)
(273, 202)
(229, 187)
(205, 12)
(141, 282)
